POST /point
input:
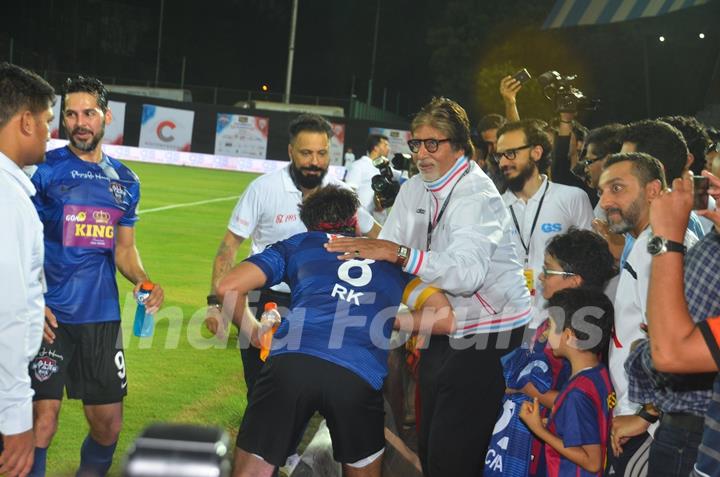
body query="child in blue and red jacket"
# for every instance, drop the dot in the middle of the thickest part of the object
(577, 431)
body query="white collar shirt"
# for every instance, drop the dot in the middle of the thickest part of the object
(562, 207)
(267, 212)
(359, 177)
(21, 296)
(630, 308)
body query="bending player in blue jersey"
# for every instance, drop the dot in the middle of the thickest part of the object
(87, 202)
(577, 431)
(330, 354)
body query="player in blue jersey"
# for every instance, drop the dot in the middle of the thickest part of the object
(87, 202)
(330, 354)
(577, 431)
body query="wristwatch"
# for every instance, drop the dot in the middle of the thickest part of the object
(651, 418)
(212, 300)
(402, 255)
(658, 245)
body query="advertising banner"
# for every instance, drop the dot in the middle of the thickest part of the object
(55, 123)
(337, 144)
(164, 128)
(397, 138)
(115, 131)
(241, 136)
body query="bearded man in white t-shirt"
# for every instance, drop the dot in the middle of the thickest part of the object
(267, 212)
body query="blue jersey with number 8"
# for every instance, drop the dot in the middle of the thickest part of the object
(341, 311)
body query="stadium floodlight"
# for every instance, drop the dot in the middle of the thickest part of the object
(661, 38)
(701, 36)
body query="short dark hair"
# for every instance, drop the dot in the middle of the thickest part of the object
(90, 85)
(660, 140)
(584, 253)
(450, 118)
(534, 135)
(605, 139)
(491, 121)
(309, 123)
(645, 167)
(696, 137)
(20, 88)
(584, 308)
(330, 209)
(373, 140)
(580, 131)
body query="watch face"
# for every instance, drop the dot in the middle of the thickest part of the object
(655, 245)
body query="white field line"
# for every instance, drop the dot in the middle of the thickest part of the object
(187, 204)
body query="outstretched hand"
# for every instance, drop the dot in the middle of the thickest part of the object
(356, 248)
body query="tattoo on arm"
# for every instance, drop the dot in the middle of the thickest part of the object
(224, 259)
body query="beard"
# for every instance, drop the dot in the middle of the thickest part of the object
(516, 184)
(90, 144)
(628, 219)
(307, 181)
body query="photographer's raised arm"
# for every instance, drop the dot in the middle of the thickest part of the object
(509, 88)
(565, 142)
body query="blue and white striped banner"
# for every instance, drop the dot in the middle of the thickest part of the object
(568, 13)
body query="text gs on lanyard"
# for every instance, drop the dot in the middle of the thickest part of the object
(432, 226)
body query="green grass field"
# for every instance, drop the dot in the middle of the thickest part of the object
(180, 374)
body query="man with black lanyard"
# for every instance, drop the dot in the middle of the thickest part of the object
(449, 227)
(267, 212)
(539, 209)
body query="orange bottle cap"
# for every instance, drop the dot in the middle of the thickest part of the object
(147, 286)
(271, 305)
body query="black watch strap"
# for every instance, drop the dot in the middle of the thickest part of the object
(651, 418)
(673, 246)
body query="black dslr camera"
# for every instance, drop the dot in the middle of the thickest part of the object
(384, 184)
(562, 92)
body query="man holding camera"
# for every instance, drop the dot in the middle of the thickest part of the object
(449, 227)
(361, 172)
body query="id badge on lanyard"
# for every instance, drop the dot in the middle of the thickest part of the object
(528, 272)
(529, 278)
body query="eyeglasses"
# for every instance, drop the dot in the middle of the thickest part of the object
(712, 147)
(588, 162)
(558, 273)
(431, 145)
(510, 154)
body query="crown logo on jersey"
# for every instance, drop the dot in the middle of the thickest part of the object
(101, 217)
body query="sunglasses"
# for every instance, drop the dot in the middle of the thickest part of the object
(510, 154)
(431, 145)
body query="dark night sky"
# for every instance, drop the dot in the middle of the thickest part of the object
(241, 44)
